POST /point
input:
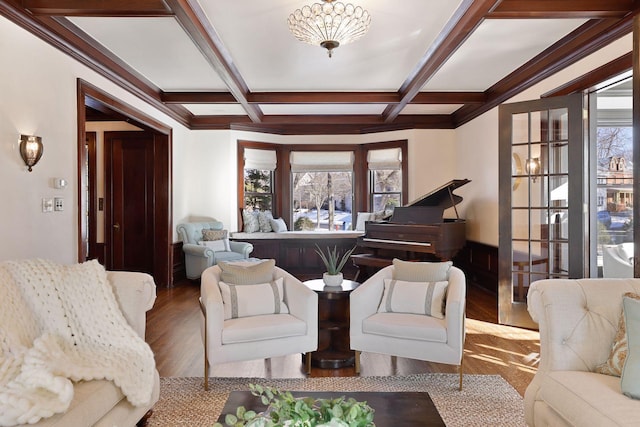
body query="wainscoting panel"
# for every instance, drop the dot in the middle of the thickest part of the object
(480, 265)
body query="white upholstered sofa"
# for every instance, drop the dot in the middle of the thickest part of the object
(578, 320)
(101, 402)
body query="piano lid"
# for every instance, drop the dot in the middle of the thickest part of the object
(442, 196)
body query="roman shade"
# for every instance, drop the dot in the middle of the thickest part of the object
(265, 160)
(321, 161)
(388, 158)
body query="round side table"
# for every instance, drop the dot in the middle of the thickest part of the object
(333, 324)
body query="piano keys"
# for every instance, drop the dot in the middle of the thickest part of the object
(415, 232)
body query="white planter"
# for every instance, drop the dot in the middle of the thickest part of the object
(332, 279)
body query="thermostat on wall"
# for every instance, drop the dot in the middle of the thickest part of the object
(59, 182)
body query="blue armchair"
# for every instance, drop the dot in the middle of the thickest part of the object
(198, 257)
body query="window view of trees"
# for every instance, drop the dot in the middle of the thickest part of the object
(386, 189)
(258, 189)
(615, 185)
(322, 200)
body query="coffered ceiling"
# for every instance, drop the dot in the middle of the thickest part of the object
(233, 64)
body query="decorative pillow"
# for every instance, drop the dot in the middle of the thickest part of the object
(264, 221)
(214, 234)
(361, 219)
(250, 221)
(252, 300)
(247, 273)
(216, 245)
(425, 298)
(217, 240)
(421, 271)
(278, 225)
(630, 381)
(617, 356)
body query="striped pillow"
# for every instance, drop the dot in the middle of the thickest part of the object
(426, 298)
(252, 300)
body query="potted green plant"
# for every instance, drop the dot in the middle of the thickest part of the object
(285, 410)
(334, 263)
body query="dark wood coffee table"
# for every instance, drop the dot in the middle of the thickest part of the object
(393, 409)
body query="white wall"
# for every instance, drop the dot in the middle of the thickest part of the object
(38, 96)
(477, 145)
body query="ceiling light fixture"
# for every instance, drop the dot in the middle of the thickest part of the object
(329, 24)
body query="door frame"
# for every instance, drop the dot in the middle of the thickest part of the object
(89, 95)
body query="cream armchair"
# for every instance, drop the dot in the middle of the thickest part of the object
(257, 337)
(412, 336)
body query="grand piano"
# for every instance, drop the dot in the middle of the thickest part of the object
(414, 232)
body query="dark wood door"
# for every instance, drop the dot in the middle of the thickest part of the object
(129, 191)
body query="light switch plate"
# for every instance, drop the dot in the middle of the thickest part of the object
(47, 205)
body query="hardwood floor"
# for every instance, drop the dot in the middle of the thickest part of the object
(173, 332)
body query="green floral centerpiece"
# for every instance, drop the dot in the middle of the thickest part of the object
(285, 410)
(334, 263)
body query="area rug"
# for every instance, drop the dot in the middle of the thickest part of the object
(485, 400)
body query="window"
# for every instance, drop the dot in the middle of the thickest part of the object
(321, 186)
(322, 190)
(385, 178)
(258, 179)
(614, 172)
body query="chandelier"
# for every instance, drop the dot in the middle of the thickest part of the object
(329, 24)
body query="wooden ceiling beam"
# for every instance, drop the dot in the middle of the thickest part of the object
(583, 41)
(69, 39)
(465, 20)
(591, 80)
(97, 7)
(195, 22)
(590, 9)
(322, 98)
(198, 98)
(322, 124)
(449, 98)
(289, 126)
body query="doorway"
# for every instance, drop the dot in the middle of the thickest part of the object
(542, 185)
(137, 211)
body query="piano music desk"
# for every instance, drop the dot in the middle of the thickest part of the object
(334, 349)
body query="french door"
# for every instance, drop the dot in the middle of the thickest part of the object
(543, 195)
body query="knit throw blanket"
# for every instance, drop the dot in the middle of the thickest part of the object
(60, 324)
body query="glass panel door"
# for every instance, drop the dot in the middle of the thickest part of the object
(541, 194)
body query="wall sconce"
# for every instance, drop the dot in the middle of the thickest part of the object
(30, 149)
(532, 167)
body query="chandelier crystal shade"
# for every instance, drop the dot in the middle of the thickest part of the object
(329, 24)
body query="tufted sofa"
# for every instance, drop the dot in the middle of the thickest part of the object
(198, 258)
(101, 402)
(578, 320)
